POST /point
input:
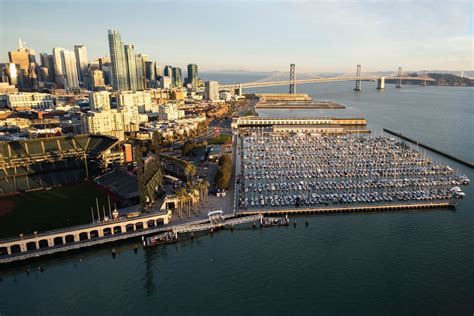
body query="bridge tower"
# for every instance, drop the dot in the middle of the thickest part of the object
(358, 86)
(381, 83)
(292, 79)
(399, 84)
(424, 78)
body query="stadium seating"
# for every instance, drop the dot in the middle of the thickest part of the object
(45, 162)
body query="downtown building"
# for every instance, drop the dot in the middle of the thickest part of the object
(192, 76)
(80, 52)
(128, 68)
(65, 67)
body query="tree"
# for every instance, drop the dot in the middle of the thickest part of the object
(188, 147)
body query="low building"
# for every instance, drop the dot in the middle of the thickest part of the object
(6, 88)
(170, 112)
(28, 101)
(111, 123)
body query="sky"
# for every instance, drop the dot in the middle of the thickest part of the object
(262, 35)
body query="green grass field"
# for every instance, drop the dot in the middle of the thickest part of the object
(52, 209)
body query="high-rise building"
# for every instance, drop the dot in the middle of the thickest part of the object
(192, 75)
(81, 60)
(47, 61)
(177, 77)
(165, 82)
(168, 72)
(212, 90)
(58, 65)
(158, 71)
(150, 70)
(131, 67)
(98, 80)
(118, 60)
(25, 61)
(104, 61)
(68, 60)
(151, 77)
(141, 71)
(12, 74)
(19, 58)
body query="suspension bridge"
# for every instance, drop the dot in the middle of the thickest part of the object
(275, 79)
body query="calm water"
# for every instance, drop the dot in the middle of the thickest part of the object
(410, 263)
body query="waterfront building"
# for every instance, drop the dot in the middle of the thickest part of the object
(118, 61)
(212, 90)
(30, 101)
(109, 123)
(81, 60)
(99, 101)
(177, 77)
(192, 75)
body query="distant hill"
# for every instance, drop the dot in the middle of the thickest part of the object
(451, 80)
(441, 79)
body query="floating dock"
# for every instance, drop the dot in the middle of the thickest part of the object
(442, 153)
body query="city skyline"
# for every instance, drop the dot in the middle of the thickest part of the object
(323, 36)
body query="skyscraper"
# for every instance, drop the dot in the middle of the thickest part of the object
(141, 71)
(192, 75)
(131, 67)
(150, 70)
(47, 61)
(65, 68)
(150, 74)
(118, 60)
(212, 90)
(177, 77)
(69, 63)
(58, 65)
(81, 60)
(168, 72)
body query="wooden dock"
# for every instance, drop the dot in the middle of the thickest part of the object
(352, 209)
(248, 218)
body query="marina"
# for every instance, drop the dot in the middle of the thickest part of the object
(297, 170)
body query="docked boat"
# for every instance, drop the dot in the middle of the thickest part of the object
(164, 238)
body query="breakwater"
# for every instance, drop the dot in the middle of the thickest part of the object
(462, 161)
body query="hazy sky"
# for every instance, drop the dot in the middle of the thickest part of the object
(317, 36)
